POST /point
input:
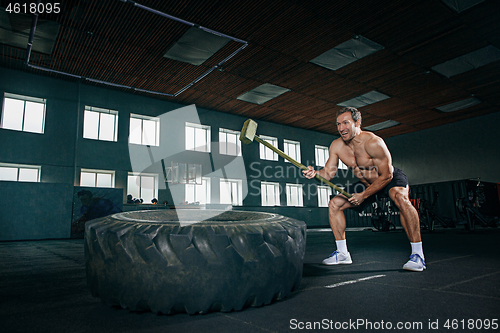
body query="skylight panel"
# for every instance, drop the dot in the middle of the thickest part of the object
(15, 30)
(461, 5)
(468, 61)
(460, 105)
(365, 99)
(262, 93)
(382, 125)
(196, 46)
(346, 53)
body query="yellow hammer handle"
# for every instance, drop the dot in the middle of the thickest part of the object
(297, 164)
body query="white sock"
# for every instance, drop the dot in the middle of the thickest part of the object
(342, 246)
(417, 248)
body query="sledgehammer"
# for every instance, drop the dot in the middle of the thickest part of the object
(248, 135)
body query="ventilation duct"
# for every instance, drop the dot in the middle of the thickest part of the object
(365, 99)
(262, 93)
(196, 46)
(461, 5)
(468, 61)
(346, 53)
(382, 125)
(460, 105)
(15, 31)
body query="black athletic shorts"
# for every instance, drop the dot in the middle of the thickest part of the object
(399, 179)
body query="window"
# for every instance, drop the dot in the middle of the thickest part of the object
(19, 172)
(322, 155)
(144, 130)
(97, 178)
(22, 113)
(266, 153)
(294, 195)
(231, 192)
(292, 149)
(143, 186)
(270, 193)
(198, 137)
(229, 143)
(324, 193)
(100, 124)
(199, 193)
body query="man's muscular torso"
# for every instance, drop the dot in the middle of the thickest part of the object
(355, 156)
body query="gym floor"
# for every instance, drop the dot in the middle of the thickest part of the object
(43, 289)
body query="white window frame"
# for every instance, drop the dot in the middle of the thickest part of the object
(140, 194)
(235, 191)
(22, 167)
(25, 99)
(96, 174)
(143, 136)
(324, 193)
(292, 149)
(100, 129)
(197, 137)
(267, 153)
(270, 193)
(195, 193)
(294, 195)
(229, 143)
(322, 154)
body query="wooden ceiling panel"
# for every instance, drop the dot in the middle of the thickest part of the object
(122, 44)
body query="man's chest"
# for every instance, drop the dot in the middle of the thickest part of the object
(355, 158)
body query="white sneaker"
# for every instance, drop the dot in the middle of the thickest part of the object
(415, 264)
(337, 258)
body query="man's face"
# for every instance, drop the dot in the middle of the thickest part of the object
(347, 126)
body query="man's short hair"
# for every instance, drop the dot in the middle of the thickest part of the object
(354, 113)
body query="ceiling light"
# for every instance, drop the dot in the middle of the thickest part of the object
(346, 53)
(382, 125)
(460, 105)
(461, 5)
(468, 61)
(365, 99)
(196, 46)
(262, 93)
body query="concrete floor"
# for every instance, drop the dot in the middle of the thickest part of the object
(43, 289)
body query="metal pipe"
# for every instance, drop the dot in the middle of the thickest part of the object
(32, 34)
(210, 70)
(245, 44)
(54, 71)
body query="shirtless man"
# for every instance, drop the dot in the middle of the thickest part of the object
(367, 155)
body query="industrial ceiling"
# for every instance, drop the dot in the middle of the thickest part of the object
(410, 65)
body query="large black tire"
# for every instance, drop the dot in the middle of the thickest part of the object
(149, 261)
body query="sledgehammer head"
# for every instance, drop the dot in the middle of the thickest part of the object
(248, 132)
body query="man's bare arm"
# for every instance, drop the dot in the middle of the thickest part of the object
(330, 169)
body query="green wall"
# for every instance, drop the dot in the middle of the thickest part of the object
(466, 149)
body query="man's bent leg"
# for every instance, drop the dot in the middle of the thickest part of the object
(411, 223)
(409, 216)
(338, 224)
(336, 208)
